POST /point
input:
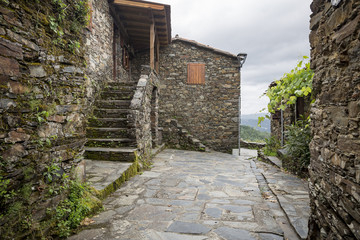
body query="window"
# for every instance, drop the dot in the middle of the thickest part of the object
(196, 73)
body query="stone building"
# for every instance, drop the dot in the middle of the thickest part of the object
(71, 91)
(335, 119)
(55, 75)
(200, 89)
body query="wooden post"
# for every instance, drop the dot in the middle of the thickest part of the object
(157, 64)
(152, 46)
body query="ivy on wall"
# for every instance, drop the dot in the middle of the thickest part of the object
(72, 17)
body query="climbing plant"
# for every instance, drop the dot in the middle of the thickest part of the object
(282, 94)
(297, 83)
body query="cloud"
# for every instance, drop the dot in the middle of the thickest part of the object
(273, 33)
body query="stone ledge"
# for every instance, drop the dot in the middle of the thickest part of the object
(270, 159)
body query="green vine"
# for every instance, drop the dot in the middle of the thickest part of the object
(297, 83)
(72, 16)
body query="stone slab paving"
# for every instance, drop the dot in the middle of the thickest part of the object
(193, 196)
(292, 194)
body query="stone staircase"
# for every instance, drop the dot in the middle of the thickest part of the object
(110, 151)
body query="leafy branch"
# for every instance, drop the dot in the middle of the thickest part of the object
(297, 83)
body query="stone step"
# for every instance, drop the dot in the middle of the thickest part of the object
(111, 104)
(107, 176)
(117, 95)
(110, 154)
(122, 83)
(111, 113)
(93, 132)
(120, 87)
(108, 122)
(111, 142)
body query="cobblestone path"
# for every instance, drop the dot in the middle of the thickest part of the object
(197, 196)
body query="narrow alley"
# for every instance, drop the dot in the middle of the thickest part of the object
(197, 196)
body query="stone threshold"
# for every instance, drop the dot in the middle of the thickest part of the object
(105, 177)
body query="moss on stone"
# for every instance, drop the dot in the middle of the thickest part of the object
(130, 172)
(26, 191)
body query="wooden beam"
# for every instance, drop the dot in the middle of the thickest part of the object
(118, 22)
(141, 22)
(139, 30)
(143, 41)
(157, 63)
(135, 12)
(139, 4)
(152, 43)
(139, 36)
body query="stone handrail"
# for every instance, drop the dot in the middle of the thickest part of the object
(142, 107)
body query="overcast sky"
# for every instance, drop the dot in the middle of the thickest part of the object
(274, 34)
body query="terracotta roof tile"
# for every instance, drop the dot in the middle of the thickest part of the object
(197, 44)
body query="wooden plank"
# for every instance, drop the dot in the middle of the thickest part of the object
(139, 34)
(141, 22)
(139, 4)
(152, 43)
(139, 13)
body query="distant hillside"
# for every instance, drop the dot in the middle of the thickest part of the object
(252, 121)
(252, 135)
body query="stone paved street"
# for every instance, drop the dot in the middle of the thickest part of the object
(195, 196)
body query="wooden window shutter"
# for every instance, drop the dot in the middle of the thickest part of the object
(196, 73)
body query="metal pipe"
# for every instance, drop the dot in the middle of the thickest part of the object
(241, 58)
(239, 121)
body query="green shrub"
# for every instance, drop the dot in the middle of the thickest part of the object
(298, 138)
(251, 134)
(272, 145)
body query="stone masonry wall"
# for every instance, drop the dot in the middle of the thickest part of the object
(210, 111)
(47, 85)
(99, 47)
(335, 118)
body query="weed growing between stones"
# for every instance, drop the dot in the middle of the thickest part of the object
(272, 146)
(5, 194)
(67, 202)
(73, 16)
(71, 211)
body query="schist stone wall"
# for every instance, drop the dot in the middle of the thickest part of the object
(335, 148)
(99, 46)
(208, 111)
(47, 84)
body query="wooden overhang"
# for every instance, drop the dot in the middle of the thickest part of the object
(135, 19)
